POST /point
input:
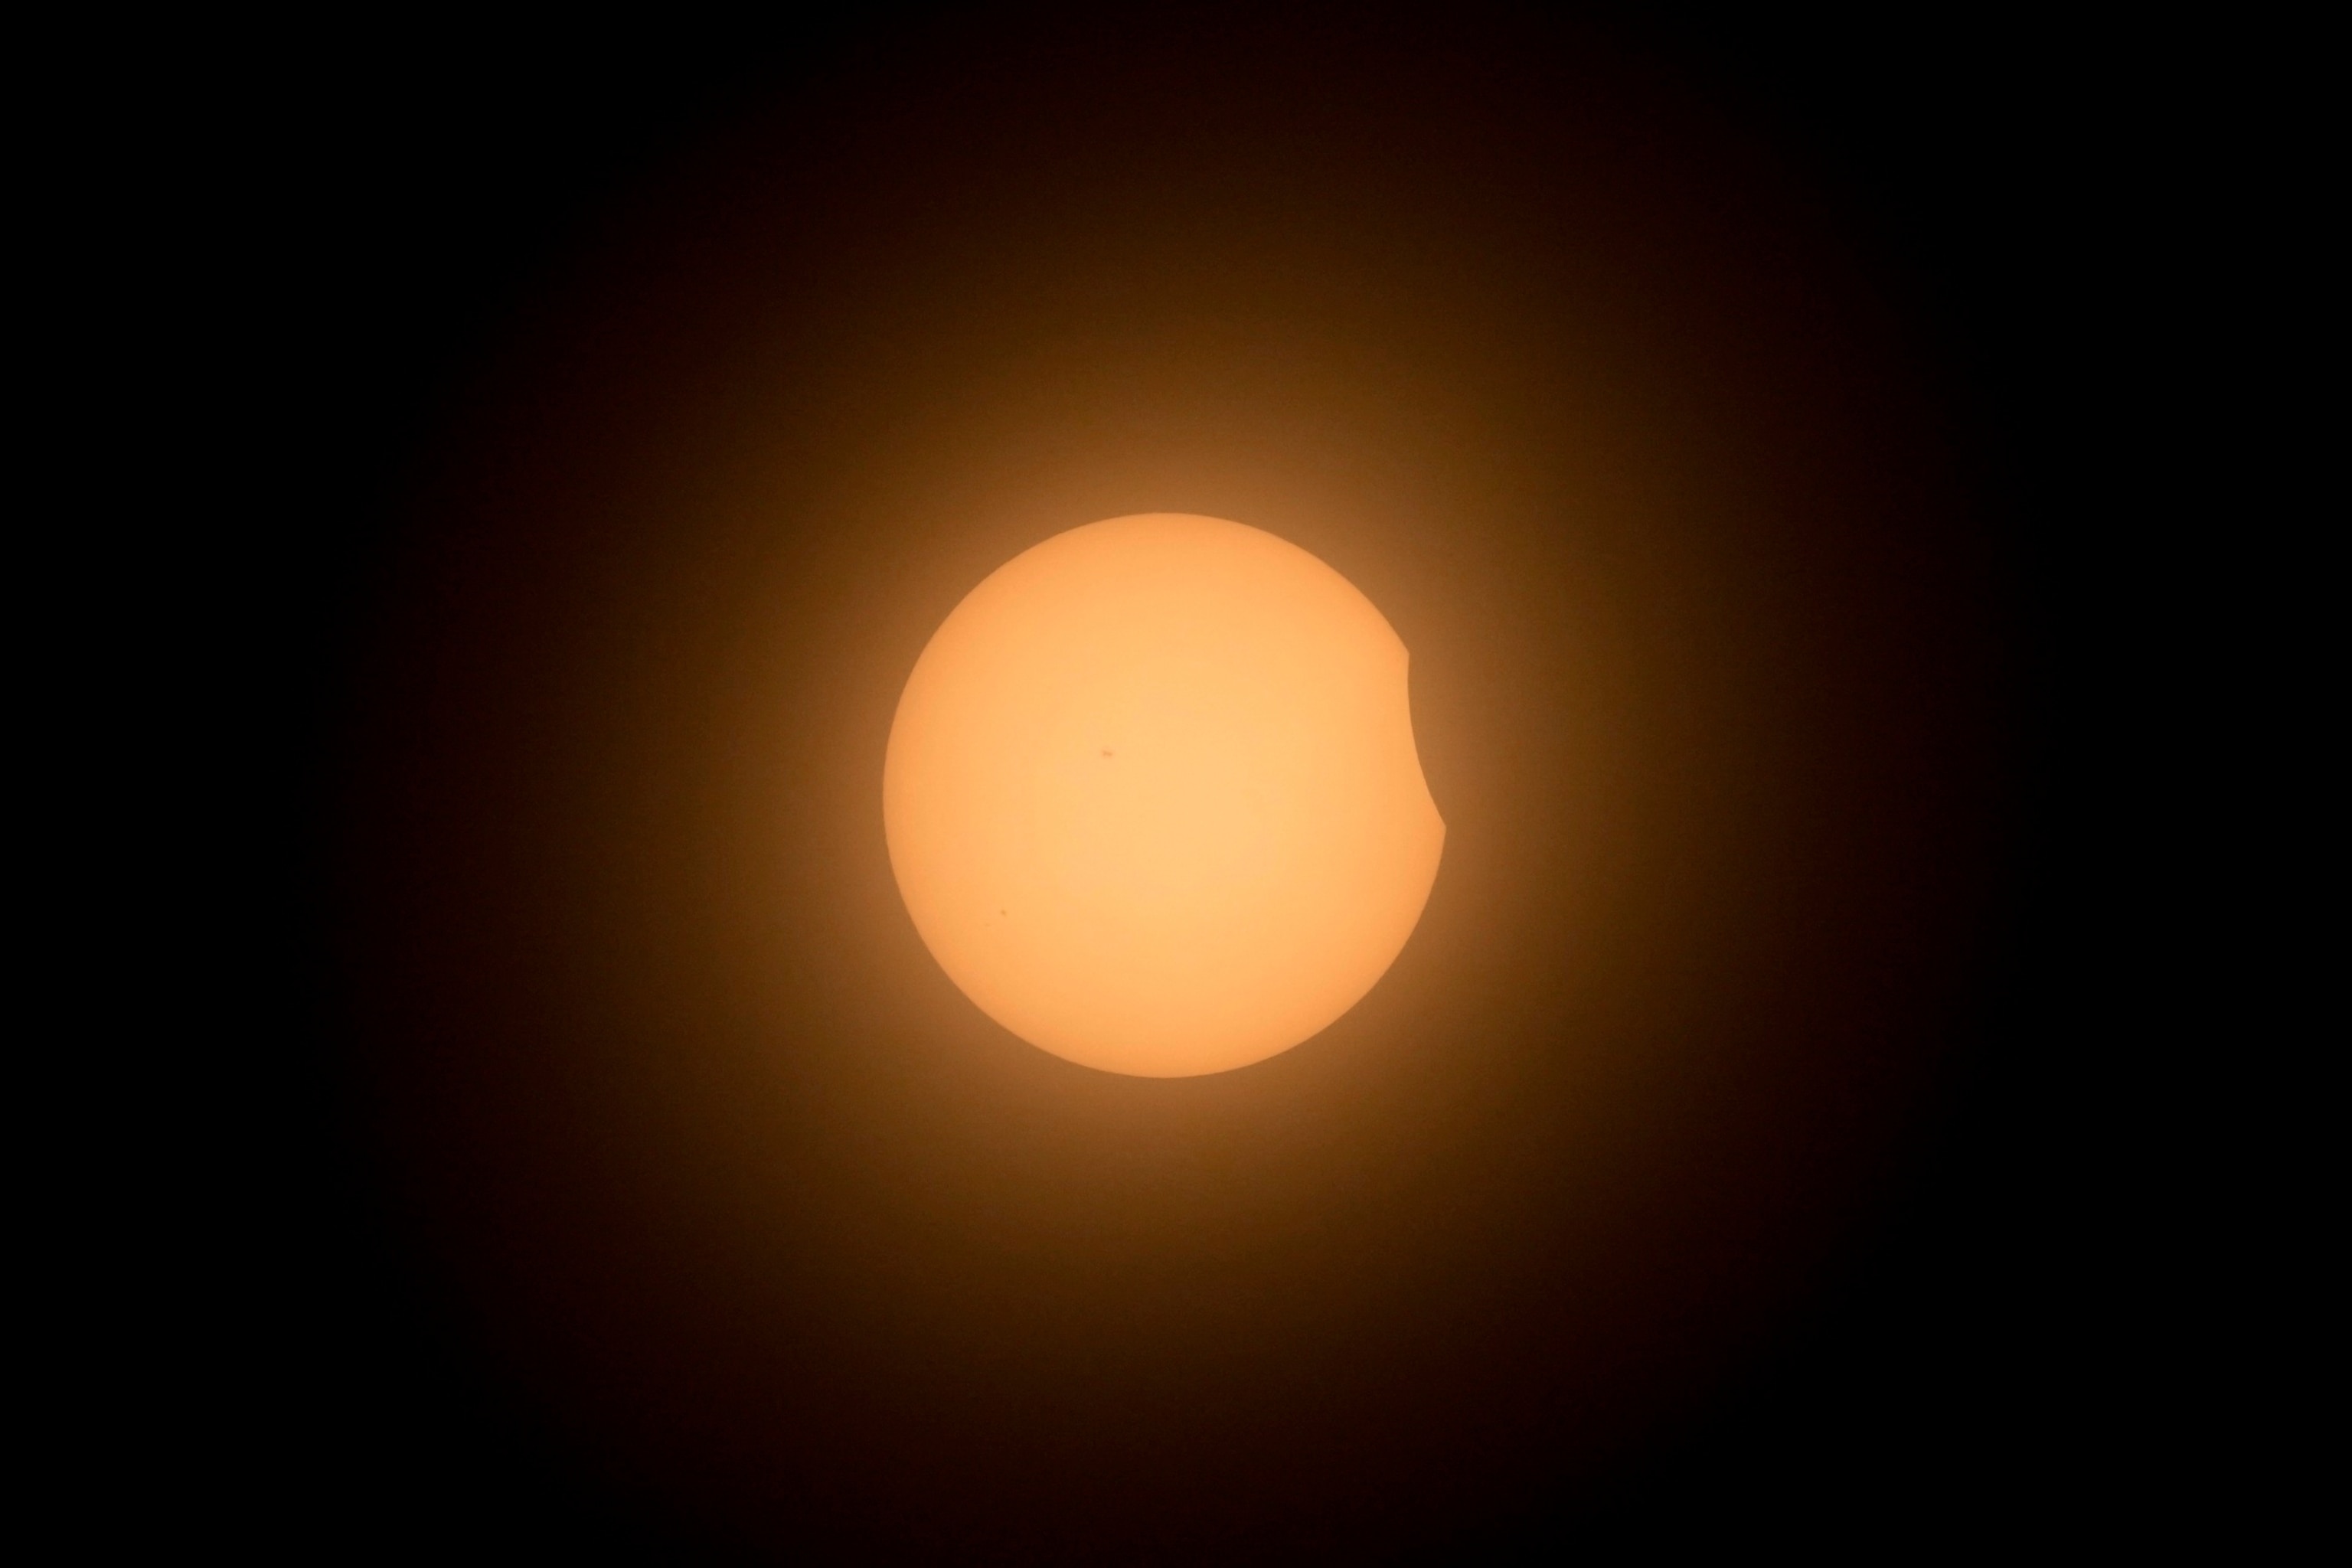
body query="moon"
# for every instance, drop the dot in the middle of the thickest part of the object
(1152, 798)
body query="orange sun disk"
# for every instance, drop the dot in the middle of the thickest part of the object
(1152, 799)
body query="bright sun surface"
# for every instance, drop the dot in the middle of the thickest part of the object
(1152, 798)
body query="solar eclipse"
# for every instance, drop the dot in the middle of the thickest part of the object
(1181, 750)
(1216, 815)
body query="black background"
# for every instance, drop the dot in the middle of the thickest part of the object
(383, 217)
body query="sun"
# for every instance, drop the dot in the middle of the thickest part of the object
(1152, 797)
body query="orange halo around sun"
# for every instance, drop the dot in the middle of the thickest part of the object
(1152, 798)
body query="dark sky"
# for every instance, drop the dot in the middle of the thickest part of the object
(1702, 398)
